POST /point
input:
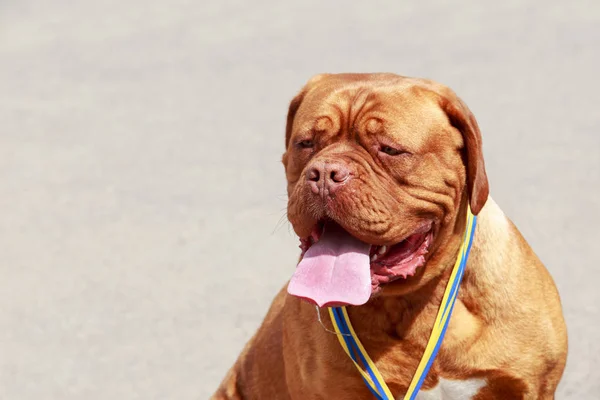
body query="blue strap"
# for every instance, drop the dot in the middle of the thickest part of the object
(351, 343)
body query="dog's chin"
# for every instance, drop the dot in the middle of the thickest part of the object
(388, 263)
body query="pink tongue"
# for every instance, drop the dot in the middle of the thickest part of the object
(334, 271)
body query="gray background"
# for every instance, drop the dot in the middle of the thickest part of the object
(143, 235)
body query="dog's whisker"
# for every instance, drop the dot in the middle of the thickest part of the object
(281, 222)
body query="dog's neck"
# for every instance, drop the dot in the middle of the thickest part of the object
(412, 314)
(492, 273)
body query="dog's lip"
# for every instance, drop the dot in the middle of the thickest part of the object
(379, 252)
(423, 227)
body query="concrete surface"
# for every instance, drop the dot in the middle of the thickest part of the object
(143, 235)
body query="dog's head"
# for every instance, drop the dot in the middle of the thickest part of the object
(379, 169)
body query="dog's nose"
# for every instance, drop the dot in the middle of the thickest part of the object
(327, 177)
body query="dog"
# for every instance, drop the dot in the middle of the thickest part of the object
(381, 172)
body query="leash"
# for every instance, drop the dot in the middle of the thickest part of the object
(357, 353)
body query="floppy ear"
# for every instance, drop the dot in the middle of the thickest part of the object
(293, 109)
(294, 105)
(477, 183)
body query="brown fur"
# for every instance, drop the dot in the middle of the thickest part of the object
(507, 325)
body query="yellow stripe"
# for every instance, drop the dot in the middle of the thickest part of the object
(366, 356)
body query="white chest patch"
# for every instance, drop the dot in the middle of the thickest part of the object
(448, 389)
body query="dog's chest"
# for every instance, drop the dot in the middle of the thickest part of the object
(448, 389)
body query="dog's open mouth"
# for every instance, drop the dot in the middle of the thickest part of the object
(338, 269)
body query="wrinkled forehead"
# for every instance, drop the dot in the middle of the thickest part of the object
(401, 109)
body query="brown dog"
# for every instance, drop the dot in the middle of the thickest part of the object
(380, 171)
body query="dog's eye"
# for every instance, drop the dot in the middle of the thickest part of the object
(306, 144)
(390, 151)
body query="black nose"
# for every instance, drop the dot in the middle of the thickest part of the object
(327, 177)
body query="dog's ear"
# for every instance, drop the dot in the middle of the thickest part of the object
(295, 104)
(462, 119)
(293, 109)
